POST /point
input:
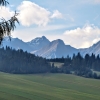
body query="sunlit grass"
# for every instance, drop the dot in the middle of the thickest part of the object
(48, 87)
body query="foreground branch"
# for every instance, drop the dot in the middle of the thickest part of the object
(7, 26)
(3, 2)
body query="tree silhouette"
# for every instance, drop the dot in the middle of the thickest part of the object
(6, 26)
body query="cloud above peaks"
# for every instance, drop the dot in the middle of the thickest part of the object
(30, 13)
(83, 37)
(6, 13)
(57, 14)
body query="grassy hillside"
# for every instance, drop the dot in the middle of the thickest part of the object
(48, 87)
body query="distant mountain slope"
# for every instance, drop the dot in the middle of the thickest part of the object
(38, 43)
(33, 45)
(95, 49)
(41, 46)
(56, 49)
(16, 43)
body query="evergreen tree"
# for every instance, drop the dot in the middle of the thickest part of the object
(7, 26)
(22, 62)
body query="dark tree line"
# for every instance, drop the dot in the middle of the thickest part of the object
(78, 65)
(20, 62)
(12, 61)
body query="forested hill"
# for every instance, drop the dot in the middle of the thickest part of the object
(12, 61)
(20, 62)
(89, 66)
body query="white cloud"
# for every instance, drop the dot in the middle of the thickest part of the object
(57, 14)
(31, 13)
(6, 13)
(31, 33)
(82, 37)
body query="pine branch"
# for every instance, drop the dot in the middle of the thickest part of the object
(7, 26)
(3, 2)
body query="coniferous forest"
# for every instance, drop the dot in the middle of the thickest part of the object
(78, 65)
(12, 61)
(20, 62)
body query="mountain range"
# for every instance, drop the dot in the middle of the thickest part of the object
(41, 46)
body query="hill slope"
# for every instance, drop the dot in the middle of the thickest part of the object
(48, 87)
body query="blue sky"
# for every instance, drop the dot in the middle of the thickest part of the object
(77, 22)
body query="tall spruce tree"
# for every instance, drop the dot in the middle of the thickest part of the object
(6, 26)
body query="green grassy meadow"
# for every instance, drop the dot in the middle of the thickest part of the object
(48, 87)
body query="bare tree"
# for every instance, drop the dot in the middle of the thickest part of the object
(6, 26)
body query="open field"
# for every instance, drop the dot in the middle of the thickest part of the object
(97, 72)
(57, 64)
(48, 87)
